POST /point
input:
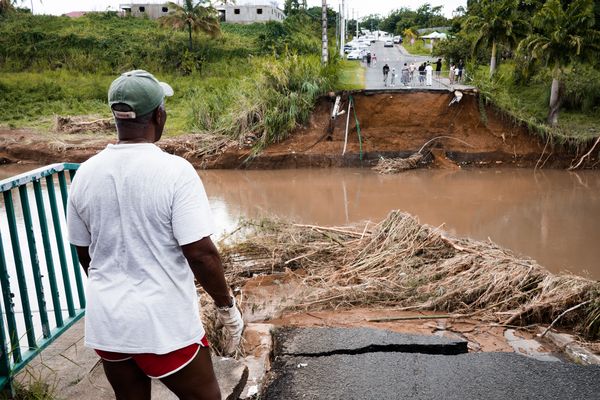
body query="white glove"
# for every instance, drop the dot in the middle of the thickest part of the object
(231, 319)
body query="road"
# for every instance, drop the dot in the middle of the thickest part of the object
(335, 363)
(395, 57)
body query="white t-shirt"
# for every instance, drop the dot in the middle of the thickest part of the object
(134, 206)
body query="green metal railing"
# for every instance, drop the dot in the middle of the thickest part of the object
(20, 335)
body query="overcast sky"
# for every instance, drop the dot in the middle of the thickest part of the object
(362, 7)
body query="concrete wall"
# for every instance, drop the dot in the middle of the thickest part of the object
(153, 11)
(247, 14)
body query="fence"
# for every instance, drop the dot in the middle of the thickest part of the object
(19, 334)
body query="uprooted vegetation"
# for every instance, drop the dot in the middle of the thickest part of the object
(403, 264)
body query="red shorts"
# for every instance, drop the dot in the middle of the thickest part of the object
(158, 365)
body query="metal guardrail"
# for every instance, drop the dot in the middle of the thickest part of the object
(30, 270)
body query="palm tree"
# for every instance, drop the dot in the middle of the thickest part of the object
(496, 22)
(195, 16)
(6, 6)
(563, 34)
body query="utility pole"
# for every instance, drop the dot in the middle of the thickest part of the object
(342, 27)
(324, 46)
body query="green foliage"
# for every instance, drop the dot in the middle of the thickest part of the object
(527, 104)
(582, 89)
(193, 16)
(230, 85)
(292, 34)
(267, 105)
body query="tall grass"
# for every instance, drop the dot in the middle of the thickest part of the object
(233, 85)
(527, 102)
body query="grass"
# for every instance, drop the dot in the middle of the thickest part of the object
(232, 85)
(351, 76)
(528, 104)
(417, 49)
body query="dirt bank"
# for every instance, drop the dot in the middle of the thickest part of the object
(392, 124)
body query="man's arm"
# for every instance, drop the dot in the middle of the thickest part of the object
(83, 253)
(205, 263)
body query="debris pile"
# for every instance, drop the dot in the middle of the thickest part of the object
(403, 264)
(69, 124)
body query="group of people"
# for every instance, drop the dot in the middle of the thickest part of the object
(424, 73)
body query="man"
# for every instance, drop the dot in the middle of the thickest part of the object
(141, 224)
(386, 71)
(460, 67)
(438, 68)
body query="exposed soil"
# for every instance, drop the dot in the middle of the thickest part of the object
(392, 124)
(266, 298)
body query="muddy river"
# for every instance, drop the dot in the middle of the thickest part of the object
(551, 216)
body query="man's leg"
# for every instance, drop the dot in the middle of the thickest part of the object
(127, 380)
(196, 381)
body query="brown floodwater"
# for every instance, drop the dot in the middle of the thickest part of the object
(551, 216)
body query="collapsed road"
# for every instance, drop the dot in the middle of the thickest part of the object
(335, 363)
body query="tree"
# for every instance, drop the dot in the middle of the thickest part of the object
(6, 6)
(291, 7)
(495, 22)
(195, 17)
(563, 34)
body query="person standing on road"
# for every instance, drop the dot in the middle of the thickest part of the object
(461, 67)
(422, 74)
(411, 69)
(386, 71)
(405, 75)
(438, 68)
(374, 59)
(452, 73)
(429, 74)
(368, 60)
(140, 221)
(393, 80)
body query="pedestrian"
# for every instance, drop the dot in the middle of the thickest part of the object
(393, 80)
(412, 69)
(368, 60)
(461, 67)
(140, 221)
(451, 74)
(422, 74)
(438, 68)
(429, 74)
(405, 75)
(386, 71)
(374, 59)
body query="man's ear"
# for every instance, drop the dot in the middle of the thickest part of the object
(158, 116)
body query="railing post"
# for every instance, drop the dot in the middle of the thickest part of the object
(41, 209)
(60, 244)
(35, 262)
(9, 310)
(18, 258)
(77, 269)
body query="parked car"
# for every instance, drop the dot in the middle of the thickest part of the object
(354, 55)
(388, 43)
(397, 39)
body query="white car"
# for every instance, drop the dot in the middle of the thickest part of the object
(388, 43)
(354, 55)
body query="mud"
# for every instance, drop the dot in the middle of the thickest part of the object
(269, 298)
(391, 125)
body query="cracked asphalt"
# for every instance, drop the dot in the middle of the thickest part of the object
(335, 363)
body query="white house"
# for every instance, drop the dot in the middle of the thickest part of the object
(249, 13)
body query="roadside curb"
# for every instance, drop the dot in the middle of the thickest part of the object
(570, 347)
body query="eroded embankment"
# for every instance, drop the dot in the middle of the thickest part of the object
(391, 124)
(398, 124)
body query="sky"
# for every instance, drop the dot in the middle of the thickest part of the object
(362, 7)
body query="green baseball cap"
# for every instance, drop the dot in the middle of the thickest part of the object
(138, 89)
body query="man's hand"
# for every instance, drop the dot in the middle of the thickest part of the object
(231, 320)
